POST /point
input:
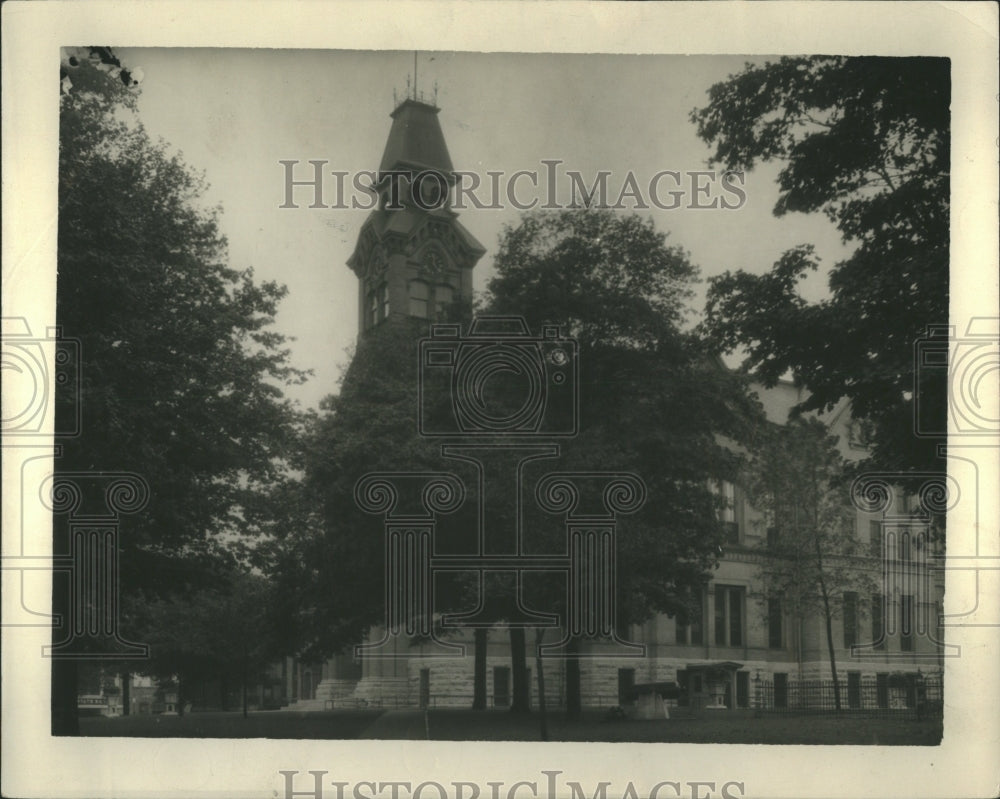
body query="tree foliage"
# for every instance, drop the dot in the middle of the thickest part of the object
(371, 426)
(653, 402)
(214, 632)
(181, 373)
(866, 142)
(813, 555)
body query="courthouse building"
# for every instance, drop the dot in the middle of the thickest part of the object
(414, 260)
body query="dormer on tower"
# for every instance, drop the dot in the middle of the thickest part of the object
(413, 257)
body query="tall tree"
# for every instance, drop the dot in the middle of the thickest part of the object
(866, 142)
(652, 401)
(181, 374)
(813, 555)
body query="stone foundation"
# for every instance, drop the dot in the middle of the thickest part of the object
(383, 692)
(337, 691)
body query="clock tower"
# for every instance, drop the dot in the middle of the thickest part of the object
(413, 257)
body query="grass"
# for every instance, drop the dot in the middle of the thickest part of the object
(321, 725)
(458, 725)
(736, 729)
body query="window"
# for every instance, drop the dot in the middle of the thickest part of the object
(850, 619)
(906, 623)
(377, 308)
(728, 615)
(425, 298)
(384, 297)
(691, 633)
(878, 620)
(727, 514)
(774, 636)
(372, 311)
(443, 297)
(419, 296)
(626, 680)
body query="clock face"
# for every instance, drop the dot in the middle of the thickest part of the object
(433, 264)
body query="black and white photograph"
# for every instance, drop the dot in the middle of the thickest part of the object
(395, 412)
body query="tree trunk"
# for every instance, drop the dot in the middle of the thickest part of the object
(479, 669)
(828, 615)
(520, 701)
(244, 681)
(64, 676)
(829, 643)
(574, 703)
(126, 676)
(180, 696)
(543, 722)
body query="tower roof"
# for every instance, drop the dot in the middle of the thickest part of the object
(415, 140)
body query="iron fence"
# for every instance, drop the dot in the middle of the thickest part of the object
(899, 695)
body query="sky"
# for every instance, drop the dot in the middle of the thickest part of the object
(235, 114)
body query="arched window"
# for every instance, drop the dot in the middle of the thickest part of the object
(419, 297)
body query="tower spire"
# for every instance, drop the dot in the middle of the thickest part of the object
(413, 257)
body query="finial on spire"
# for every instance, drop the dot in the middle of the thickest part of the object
(413, 89)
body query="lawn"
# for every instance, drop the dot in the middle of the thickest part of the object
(273, 724)
(736, 729)
(452, 725)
